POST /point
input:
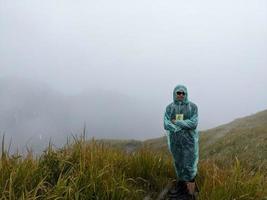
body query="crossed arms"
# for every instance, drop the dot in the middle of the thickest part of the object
(177, 125)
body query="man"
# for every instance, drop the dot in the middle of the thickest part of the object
(180, 123)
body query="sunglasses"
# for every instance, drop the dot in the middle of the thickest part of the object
(179, 93)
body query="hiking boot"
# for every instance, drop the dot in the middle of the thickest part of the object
(187, 190)
(172, 193)
(192, 190)
(181, 187)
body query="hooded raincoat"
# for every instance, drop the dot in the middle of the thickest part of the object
(182, 135)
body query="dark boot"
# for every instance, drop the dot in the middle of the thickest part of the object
(178, 191)
(172, 193)
(182, 191)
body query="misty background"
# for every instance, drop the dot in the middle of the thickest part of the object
(112, 65)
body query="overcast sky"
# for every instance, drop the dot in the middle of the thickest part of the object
(143, 48)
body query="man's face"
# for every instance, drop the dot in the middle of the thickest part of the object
(180, 95)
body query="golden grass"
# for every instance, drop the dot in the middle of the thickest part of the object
(93, 170)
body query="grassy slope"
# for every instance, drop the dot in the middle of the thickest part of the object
(92, 170)
(245, 138)
(97, 170)
(84, 170)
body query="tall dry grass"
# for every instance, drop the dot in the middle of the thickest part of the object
(93, 170)
(83, 170)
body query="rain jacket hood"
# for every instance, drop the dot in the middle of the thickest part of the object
(180, 88)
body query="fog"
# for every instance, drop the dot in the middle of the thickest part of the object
(112, 65)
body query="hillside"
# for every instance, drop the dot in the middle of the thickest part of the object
(245, 138)
(258, 120)
(98, 169)
(93, 170)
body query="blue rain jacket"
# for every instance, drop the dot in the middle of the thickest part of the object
(182, 135)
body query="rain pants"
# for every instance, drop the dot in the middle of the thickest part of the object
(182, 135)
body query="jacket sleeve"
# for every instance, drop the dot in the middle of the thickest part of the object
(191, 123)
(168, 125)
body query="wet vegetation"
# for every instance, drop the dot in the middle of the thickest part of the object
(96, 170)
